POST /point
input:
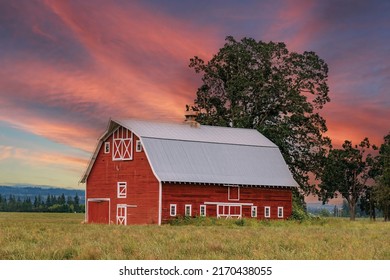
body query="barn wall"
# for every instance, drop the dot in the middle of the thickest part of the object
(196, 195)
(142, 185)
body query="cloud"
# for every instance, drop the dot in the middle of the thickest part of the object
(5, 152)
(42, 158)
(68, 66)
(131, 71)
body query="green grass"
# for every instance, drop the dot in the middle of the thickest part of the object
(62, 236)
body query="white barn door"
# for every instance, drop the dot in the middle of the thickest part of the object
(121, 214)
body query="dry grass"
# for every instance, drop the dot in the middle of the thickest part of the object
(62, 236)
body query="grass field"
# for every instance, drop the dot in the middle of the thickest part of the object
(34, 236)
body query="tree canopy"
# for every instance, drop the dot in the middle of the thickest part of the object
(346, 172)
(264, 86)
(381, 189)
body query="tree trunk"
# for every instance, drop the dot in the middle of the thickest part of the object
(352, 210)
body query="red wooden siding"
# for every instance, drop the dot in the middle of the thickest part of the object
(142, 186)
(196, 195)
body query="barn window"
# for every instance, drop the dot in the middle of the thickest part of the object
(267, 211)
(172, 210)
(280, 212)
(138, 146)
(122, 144)
(122, 189)
(187, 210)
(107, 147)
(203, 210)
(254, 211)
(234, 193)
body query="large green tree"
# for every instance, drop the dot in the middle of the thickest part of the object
(346, 172)
(264, 86)
(381, 189)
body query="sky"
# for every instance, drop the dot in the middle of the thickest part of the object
(67, 67)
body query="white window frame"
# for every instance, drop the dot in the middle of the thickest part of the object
(238, 193)
(107, 147)
(254, 211)
(122, 144)
(280, 212)
(269, 211)
(122, 190)
(203, 209)
(174, 208)
(188, 206)
(138, 146)
(224, 210)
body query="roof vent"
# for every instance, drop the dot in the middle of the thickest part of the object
(190, 115)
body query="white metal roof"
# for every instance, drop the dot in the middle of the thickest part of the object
(203, 133)
(207, 154)
(205, 162)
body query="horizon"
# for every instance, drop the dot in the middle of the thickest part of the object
(68, 67)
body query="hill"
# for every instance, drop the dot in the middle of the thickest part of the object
(31, 192)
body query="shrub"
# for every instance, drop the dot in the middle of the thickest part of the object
(298, 211)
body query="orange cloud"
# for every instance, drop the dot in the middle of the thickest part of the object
(42, 158)
(132, 72)
(5, 152)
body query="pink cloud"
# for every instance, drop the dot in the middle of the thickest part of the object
(133, 73)
(5, 152)
(42, 158)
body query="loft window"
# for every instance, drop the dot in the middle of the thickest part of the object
(122, 189)
(122, 144)
(254, 211)
(107, 147)
(203, 210)
(267, 211)
(233, 193)
(172, 210)
(138, 146)
(280, 212)
(187, 210)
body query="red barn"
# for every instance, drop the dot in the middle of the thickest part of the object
(146, 172)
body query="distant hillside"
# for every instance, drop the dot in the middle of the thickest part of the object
(33, 191)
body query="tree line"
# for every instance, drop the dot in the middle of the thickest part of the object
(264, 86)
(50, 203)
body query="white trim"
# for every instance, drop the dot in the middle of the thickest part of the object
(254, 209)
(86, 206)
(185, 210)
(170, 210)
(229, 203)
(280, 208)
(138, 146)
(205, 210)
(121, 220)
(121, 193)
(265, 211)
(159, 202)
(228, 214)
(238, 190)
(120, 149)
(99, 200)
